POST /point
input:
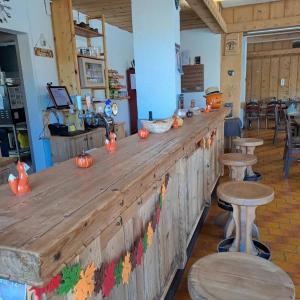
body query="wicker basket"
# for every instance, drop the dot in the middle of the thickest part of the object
(159, 126)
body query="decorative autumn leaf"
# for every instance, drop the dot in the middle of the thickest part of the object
(157, 213)
(109, 279)
(54, 283)
(118, 272)
(126, 268)
(98, 279)
(85, 285)
(70, 277)
(140, 253)
(150, 234)
(160, 201)
(133, 256)
(38, 292)
(167, 178)
(153, 221)
(145, 242)
(163, 191)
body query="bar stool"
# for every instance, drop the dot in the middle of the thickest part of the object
(247, 146)
(244, 198)
(237, 164)
(237, 276)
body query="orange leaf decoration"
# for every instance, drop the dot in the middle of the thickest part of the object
(126, 268)
(150, 234)
(163, 191)
(85, 286)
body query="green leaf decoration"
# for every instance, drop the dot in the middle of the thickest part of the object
(118, 272)
(145, 242)
(160, 201)
(70, 277)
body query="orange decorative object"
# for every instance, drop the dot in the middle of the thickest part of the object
(84, 160)
(207, 108)
(175, 123)
(163, 191)
(214, 100)
(20, 185)
(126, 268)
(150, 234)
(111, 144)
(85, 286)
(143, 133)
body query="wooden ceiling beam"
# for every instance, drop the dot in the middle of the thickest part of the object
(208, 12)
(274, 37)
(279, 52)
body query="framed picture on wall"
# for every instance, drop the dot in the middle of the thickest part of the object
(178, 58)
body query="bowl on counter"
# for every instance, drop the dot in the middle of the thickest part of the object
(158, 126)
(181, 113)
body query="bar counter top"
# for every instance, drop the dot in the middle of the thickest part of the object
(68, 207)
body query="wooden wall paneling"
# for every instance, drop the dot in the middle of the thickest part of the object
(274, 76)
(277, 10)
(292, 8)
(261, 12)
(266, 46)
(298, 78)
(293, 76)
(243, 14)
(265, 78)
(228, 16)
(256, 78)
(249, 79)
(284, 73)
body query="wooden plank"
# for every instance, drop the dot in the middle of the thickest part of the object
(256, 79)
(249, 80)
(292, 8)
(284, 73)
(277, 10)
(261, 12)
(279, 52)
(66, 57)
(265, 78)
(274, 37)
(274, 76)
(293, 77)
(298, 77)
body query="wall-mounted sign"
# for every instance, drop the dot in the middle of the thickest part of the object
(43, 52)
(4, 11)
(232, 44)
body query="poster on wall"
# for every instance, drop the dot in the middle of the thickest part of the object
(178, 58)
(4, 11)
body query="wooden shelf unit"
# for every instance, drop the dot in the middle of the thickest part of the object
(86, 32)
(91, 57)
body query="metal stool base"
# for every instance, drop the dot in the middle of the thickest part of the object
(263, 250)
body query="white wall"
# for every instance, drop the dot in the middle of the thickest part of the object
(119, 45)
(29, 21)
(204, 43)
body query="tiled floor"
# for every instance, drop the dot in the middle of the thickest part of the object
(279, 221)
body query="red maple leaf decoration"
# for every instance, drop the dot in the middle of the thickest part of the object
(54, 283)
(109, 279)
(157, 214)
(140, 253)
(38, 292)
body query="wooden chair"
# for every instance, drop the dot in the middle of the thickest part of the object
(238, 276)
(252, 113)
(270, 112)
(280, 122)
(292, 146)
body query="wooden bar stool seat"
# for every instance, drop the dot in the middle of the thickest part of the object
(237, 164)
(238, 276)
(244, 198)
(247, 146)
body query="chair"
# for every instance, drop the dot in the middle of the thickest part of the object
(280, 122)
(270, 112)
(292, 146)
(252, 113)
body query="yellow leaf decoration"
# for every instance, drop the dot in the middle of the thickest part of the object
(163, 191)
(85, 286)
(126, 268)
(150, 234)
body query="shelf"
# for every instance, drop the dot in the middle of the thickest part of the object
(86, 32)
(120, 98)
(91, 57)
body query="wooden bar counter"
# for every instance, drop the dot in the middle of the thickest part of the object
(95, 215)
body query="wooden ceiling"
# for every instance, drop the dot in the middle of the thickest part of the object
(231, 3)
(118, 13)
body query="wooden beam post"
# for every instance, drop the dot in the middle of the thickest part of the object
(209, 13)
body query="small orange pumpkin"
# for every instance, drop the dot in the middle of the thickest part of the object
(84, 160)
(143, 133)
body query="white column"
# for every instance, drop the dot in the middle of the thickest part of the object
(156, 30)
